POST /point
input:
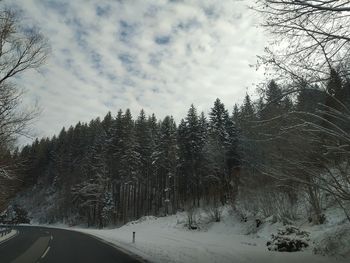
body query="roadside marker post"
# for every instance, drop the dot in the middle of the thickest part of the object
(133, 237)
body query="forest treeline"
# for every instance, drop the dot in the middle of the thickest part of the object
(265, 154)
(117, 169)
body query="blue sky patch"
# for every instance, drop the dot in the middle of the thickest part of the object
(103, 11)
(127, 31)
(162, 40)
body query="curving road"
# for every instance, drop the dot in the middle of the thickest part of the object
(50, 245)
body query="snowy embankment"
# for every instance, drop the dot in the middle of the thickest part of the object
(8, 236)
(166, 239)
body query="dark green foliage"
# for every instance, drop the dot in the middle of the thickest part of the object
(14, 215)
(119, 169)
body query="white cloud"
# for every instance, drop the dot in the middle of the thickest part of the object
(157, 55)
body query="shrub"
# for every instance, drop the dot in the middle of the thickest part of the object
(288, 239)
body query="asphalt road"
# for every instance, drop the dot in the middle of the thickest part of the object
(50, 245)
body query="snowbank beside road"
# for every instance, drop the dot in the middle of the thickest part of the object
(8, 236)
(165, 239)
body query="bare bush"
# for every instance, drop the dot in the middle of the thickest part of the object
(266, 202)
(318, 157)
(214, 211)
(191, 211)
(333, 242)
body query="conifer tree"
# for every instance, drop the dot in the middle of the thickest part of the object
(166, 161)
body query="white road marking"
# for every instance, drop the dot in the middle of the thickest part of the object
(51, 237)
(35, 251)
(46, 251)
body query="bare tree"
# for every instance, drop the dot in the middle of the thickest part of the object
(310, 40)
(21, 49)
(314, 153)
(309, 37)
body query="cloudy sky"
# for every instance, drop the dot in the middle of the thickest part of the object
(157, 55)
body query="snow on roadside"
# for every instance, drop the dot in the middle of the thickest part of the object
(333, 237)
(8, 236)
(165, 239)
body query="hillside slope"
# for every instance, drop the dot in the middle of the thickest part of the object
(166, 239)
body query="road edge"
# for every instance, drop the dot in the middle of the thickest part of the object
(115, 246)
(128, 252)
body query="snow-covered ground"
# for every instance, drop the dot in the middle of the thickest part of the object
(7, 236)
(166, 239)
